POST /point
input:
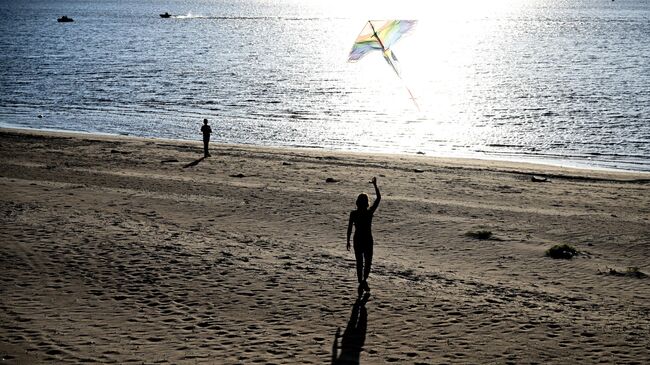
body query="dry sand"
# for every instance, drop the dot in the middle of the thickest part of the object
(110, 255)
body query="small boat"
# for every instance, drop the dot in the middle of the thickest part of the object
(166, 15)
(64, 19)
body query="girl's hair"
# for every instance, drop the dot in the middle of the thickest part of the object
(362, 201)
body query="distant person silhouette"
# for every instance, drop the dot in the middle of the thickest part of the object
(361, 219)
(206, 130)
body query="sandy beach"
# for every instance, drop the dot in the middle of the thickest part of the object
(131, 251)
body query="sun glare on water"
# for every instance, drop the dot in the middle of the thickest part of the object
(436, 59)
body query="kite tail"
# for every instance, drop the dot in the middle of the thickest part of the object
(389, 56)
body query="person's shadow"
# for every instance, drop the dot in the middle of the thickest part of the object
(354, 336)
(194, 163)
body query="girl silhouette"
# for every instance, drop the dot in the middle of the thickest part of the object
(361, 219)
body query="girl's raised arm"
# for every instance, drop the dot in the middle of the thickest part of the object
(378, 198)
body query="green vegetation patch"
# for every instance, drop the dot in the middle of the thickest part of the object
(481, 235)
(566, 252)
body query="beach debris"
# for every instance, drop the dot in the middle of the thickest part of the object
(420, 153)
(121, 152)
(331, 180)
(539, 179)
(381, 35)
(286, 163)
(507, 189)
(418, 171)
(239, 175)
(169, 161)
(40, 116)
(632, 271)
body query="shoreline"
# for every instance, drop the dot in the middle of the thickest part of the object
(556, 169)
(130, 250)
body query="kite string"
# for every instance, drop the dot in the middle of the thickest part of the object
(412, 97)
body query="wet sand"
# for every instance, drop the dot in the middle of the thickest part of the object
(131, 251)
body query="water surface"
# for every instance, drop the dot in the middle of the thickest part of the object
(556, 81)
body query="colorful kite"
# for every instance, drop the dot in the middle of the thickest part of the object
(381, 35)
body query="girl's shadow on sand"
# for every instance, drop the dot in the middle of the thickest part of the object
(354, 336)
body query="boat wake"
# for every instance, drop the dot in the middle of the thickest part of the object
(191, 16)
(224, 17)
